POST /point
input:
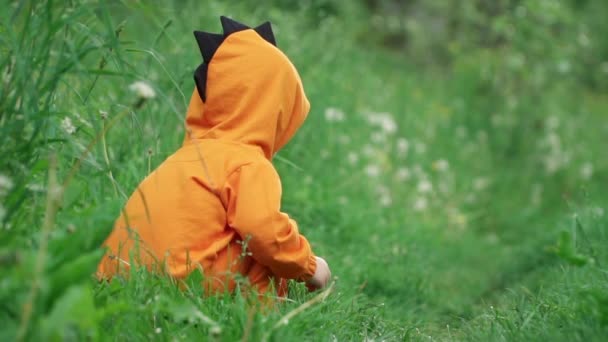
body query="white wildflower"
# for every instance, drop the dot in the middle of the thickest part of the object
(598, 211)
(402, 146)
(480, 183)
(403, 174)
(441, 165)
(537, 194)
(158, 330)
(386, 200)
(82, 120)
(461, 132)
(67, 125)
(418, 171)
(103, 114)
(497, 120)
(385, 196)
(372, 170)
(35, 187)
(368, 151)
(389, 125)
(586, 171)
(424, 186)
(552, 122)
(143, 90)
(420, 147)
(352, 157)
(334, 114)
(420, 204)
(384, 121)
(563, 66)
(378, 137)
(344, 139)
(216, 330)
(552, 141)
(5, 184)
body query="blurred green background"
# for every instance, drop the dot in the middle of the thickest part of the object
(452, 170)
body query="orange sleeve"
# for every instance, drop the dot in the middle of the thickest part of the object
(253, 199)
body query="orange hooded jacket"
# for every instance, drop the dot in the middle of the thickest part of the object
(219, 191)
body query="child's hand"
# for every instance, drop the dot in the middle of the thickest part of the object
(321, 277)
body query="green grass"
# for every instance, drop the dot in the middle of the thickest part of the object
(452, 202)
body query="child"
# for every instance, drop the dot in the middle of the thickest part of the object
(215, 203)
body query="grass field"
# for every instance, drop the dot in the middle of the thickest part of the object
(453, 202)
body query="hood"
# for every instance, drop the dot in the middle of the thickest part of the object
(253, 95)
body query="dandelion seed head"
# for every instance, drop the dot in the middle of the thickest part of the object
(143, 90)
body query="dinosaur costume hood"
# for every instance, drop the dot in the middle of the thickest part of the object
(247, 90)
(220, 188)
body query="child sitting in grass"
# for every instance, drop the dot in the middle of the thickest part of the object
(215, 203)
